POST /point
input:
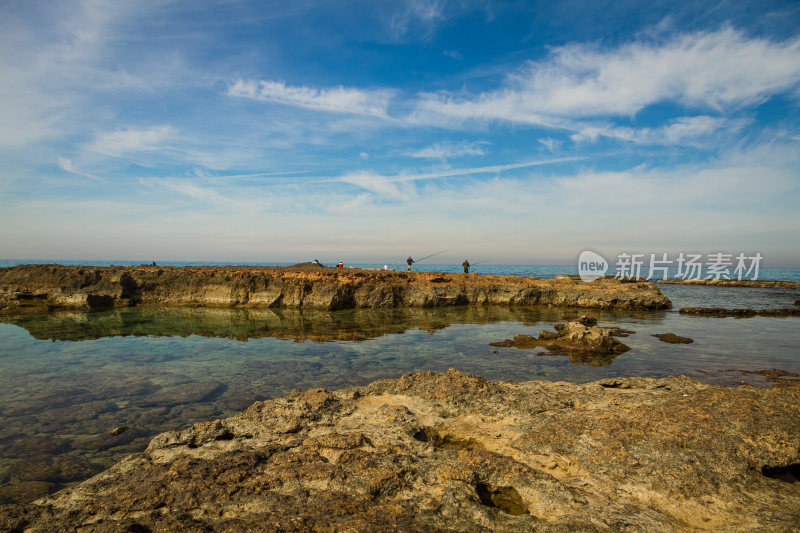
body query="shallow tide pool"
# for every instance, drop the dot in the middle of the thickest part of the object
(68, 379)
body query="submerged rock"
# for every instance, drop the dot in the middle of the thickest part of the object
(671, 338)
(452, 451)
(578, 335)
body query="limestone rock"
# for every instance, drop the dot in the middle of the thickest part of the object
(36, 288)
(454, 452)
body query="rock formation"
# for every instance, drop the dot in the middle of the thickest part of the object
(578, 335)
(47, 287)
(454, 452)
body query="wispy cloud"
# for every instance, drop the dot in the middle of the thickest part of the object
(334, 100)
(448, 150)
(706, 70)
(188, 187)
(679, 131)
(67, 166)
(387, 185)
(132, 141)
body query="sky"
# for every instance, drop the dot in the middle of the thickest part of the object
(517, 132)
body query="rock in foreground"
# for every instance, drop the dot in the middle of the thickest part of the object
(46, 287)
(454, 452)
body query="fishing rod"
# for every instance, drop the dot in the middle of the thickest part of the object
(427, 256)
(479, 263)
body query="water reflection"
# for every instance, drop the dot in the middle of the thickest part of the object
(297, 324)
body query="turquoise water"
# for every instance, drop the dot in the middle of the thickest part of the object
(69, 378)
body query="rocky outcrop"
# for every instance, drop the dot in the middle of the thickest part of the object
(578, 335)
(47, 287)
(454, 452)
(732, 283)
(745, 312)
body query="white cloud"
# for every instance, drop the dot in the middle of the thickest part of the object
(447, 150)
(680, 131)
(550, 144)
(425, 13)
(716, 70)
(381, 185)
(335, 100)
(67, 166)
(187, 187)
(132, 141)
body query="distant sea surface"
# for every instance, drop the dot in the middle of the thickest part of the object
(539, 271)
(68, 378)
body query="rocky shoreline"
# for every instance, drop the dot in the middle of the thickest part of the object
(37, 288)
(454, 452)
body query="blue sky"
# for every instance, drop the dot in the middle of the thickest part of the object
(517, 132)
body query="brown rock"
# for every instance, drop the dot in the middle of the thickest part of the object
(578, 335)
(52, 468)
(47, 287)
(450, 451)
(25, 491)
(671, 338)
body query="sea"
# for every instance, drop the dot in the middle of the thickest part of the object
(71, 381)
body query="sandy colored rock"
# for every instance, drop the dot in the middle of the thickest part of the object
(454, 452)
(46, 287)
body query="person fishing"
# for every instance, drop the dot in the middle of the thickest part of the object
(465, 264)
(411, 261)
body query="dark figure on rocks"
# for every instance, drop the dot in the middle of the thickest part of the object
(465, 264)
(410, 262)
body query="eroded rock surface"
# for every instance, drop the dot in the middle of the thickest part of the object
(581, 334)
(454, 452)
(47, 287)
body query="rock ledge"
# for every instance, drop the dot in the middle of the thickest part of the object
(454, 452)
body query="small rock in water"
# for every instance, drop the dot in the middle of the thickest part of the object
(671, 338)
(118, 430)
(578, 335)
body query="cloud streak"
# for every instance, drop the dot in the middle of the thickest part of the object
(333, 100)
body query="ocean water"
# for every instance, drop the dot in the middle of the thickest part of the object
(69, 378)
(479, 267)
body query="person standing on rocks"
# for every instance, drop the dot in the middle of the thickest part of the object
(465, 264)
(410, 262)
